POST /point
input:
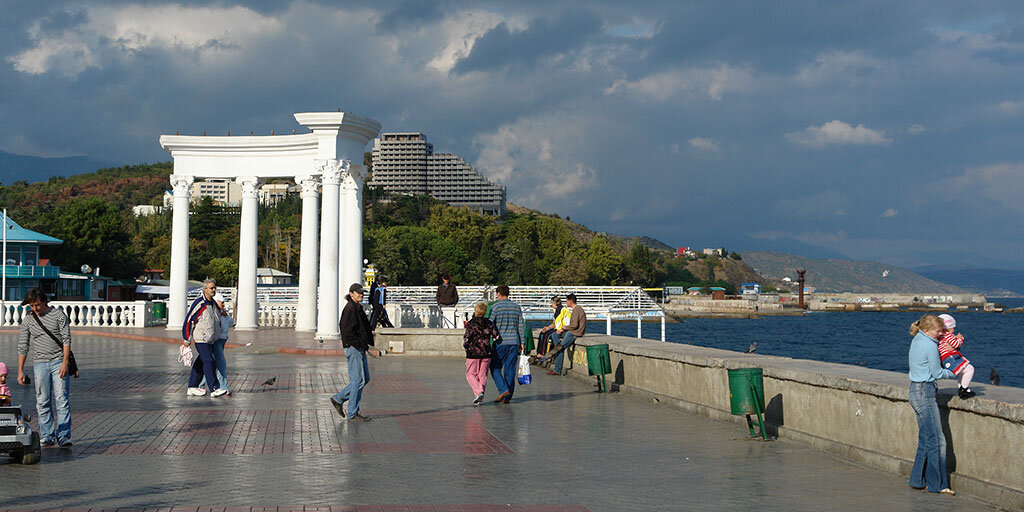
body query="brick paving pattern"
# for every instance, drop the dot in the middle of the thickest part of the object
(172, 382)
(141, 444)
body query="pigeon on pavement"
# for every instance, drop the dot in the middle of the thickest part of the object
(270, 381)
(751, 348)
(993, 376)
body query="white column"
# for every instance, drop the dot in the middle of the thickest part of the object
(608, 321)
(306, 315)
(182, 187)
(245, 302)
(639, 324)
(331, 172)
(350, 257)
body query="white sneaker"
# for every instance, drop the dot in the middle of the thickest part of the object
(195, 392)
(219, 392)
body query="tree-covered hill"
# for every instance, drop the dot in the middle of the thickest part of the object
(836, 275)
(410, 239)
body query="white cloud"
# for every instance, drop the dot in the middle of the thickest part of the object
(1000, 184)
(711, 82)
(891, 212)
(915, 129)
(459, 32)
(123, 31)
(535, 158)
(838, 133)
(1009, 107)
(704, 144)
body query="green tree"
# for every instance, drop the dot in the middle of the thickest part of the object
(639, 264)
(603, 263)
(572, 272)
(93, 232)
(222, 270)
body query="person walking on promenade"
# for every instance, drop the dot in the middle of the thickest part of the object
(477, 342)
(378, 300)
(356, 338)
(508, 318)
(560, 318)
(576, 329)
(48, 334)
(202, 327)
(952, 360)
(220, 363)
(447, 298)
(930, 461)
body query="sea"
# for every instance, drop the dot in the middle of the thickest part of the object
(877, 340)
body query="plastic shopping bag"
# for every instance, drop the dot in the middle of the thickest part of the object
(185, 355)
(523, 373)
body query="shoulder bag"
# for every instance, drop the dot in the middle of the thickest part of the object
(72, 364)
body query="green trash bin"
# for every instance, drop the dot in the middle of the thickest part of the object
(529, 345)
(599, 362)
(160, 310)
(746, 395)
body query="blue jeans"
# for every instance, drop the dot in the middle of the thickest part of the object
(930, 460)
(568, 339)
(220, 363)
(206, 363)
(503, 368)
(49, 382)
(358, 378)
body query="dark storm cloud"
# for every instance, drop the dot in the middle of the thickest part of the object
(864, 127)
(500, 47)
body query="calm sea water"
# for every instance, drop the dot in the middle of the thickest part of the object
(870, 339)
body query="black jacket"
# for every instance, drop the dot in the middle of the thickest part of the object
(354, 326)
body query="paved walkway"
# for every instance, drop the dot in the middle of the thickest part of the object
(559, 446)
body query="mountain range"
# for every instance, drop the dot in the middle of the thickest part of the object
(14, 167)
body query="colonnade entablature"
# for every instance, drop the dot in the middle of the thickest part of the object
(326, 162)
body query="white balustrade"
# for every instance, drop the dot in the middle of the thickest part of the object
(89, 313)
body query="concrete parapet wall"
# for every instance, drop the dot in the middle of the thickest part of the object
(421, 341)
(856, 413)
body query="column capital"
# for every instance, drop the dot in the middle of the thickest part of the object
(332, 171)
(182, 184)
(354, 179)
(310, 185)
(249, 185)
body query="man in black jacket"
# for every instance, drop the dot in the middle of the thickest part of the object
(357, 339)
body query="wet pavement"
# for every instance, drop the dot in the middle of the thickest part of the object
(139, 442)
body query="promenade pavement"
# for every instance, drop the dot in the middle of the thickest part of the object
(139, 442)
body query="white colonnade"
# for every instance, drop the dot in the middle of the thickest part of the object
(325, 157)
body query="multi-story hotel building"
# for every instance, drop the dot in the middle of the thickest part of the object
(405, 163)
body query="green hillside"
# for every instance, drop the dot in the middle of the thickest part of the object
(411, 239)
(835, 275)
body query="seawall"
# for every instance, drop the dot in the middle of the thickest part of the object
(859, 414)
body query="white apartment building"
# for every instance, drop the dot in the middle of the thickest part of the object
(405, 163)
(226, 192)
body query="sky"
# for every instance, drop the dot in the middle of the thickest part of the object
(886, 131)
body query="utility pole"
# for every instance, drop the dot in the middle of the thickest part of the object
(800, 282)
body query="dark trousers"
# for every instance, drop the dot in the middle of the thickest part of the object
(504, 364)
(542, 343)
(205, 366)
(379, 314)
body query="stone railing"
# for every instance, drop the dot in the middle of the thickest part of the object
(272, 314)
(90, 313)
(858, 414)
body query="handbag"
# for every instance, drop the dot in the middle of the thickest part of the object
(72, 364)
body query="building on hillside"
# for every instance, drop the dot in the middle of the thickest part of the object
(145, 210)
(224, 192)
(266, 275)
(405, 163)
(712, 252)
(717, 292)
(272, 193)
(23, 269)
(753, 289)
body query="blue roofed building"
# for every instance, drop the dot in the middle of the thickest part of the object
(24, 269)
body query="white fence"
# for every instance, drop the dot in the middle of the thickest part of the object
(89, 313)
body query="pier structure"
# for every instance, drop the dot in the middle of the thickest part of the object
(330, 158)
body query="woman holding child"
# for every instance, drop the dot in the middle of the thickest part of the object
(930, 462)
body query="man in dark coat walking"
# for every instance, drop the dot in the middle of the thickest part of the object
(379, 300)
(356, 338)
